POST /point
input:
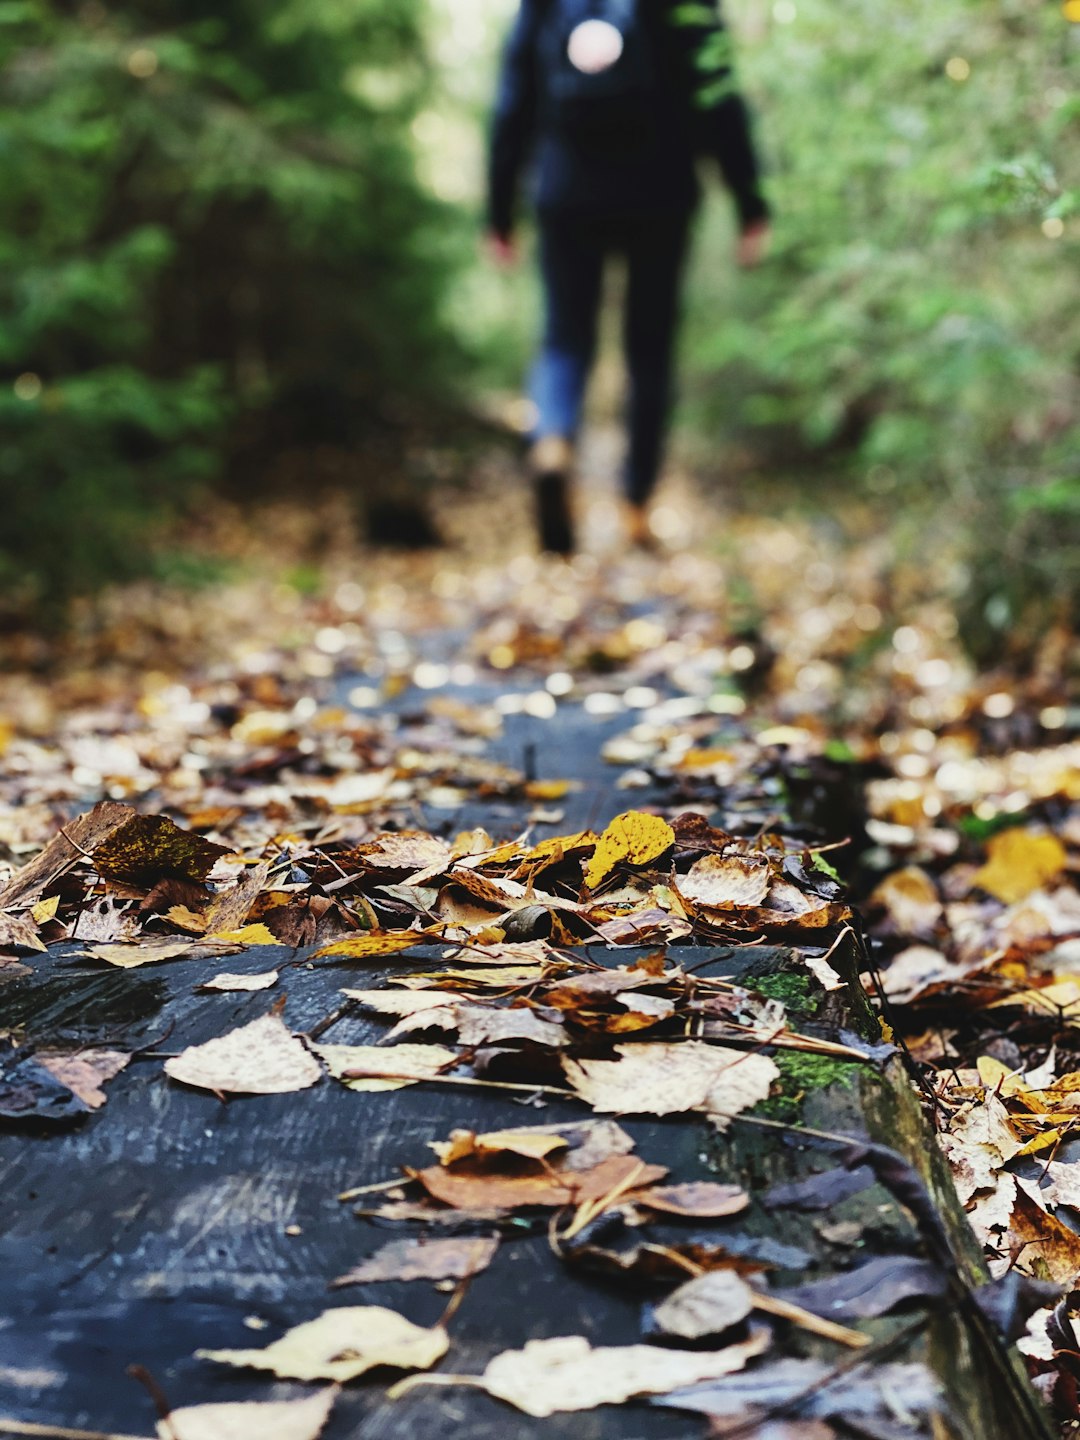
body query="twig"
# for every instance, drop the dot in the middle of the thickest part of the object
(379, 1185)
(358, 1074)
(60, 1432)
(807, 1320)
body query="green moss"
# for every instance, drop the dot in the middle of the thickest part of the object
(799, 1073)
(794, 990)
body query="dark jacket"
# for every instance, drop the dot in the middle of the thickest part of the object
(698, 112)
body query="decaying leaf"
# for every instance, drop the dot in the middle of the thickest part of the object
(707, 1305)
(76, 838)
(484, 1025)
(19, 935)
(631, 839)
(151, 949)
(725, 882)
(453, 1259)
(342, 1344)
(361, 1067)
(148, 847)
(84, 1072)
(566, 1373)
(263, 1058)
(29, 1093)
(695, 1199)
(529, 1144)
(251, 1420)
(403, 1002)
(668, 1078)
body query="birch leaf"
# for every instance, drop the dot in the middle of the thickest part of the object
(241, 1420)
(342, 1344)
(402, 1064)
(263, 1058)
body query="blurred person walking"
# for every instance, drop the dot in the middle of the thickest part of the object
(612, 102)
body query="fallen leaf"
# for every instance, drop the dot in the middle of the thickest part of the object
(725, 882)
(76, 838)
(263, 1058)
(873, 1289)
(84, 1072)
(342, 1344)
(45, 910)
(247, 935)
(823, 1191)
(707, 1305)
(148, 847)
(18, 933)
(151, 949)
(566, 1373)
(1019, 862)
(528, 1143)
(668, 1078)
(423, 1259)
(467, 1186)
(361, 1067)
(372, 942)
(633, 838)
(911, 902)
(31, 1093)
(823, 972)
(695, 1199)
(484, 1025)
(402, 1002)
(245, 1420)
(262, 981)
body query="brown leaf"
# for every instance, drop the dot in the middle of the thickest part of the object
(910, 899)
(342, 1344)
(695, 1199)
(468, 1186)
(79, 836)
(423, 1259)
(84, 1072)
(529, 1144)
(263, 1058)
(19, 933)
(251, 1420)
(727, 881)
(148, 848)
(230, 908)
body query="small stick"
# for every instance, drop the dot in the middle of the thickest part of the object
(60, 1432)
(807, 1320)
(371, 1189)
(460, 1080)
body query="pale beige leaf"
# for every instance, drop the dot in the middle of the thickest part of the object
(668, 1078)
(424, 1259)
(262, 981)
(707, 1305)
(403, 1064)
(342, 1344)
(84, 1071)
(263, 1058)
(251, 1420)
(823, 972)
(403, 1002)
(727, 881)
(153, 948)
(530, 1144)
(484, 1025)
(566, 1374)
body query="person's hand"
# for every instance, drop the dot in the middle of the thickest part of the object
(502, 249)
(753, 244)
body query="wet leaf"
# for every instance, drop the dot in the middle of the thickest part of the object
(528, 1144)
(30, 1093)
(369, 943)
(484, 1025)
(84, 1072)
(470, 1186)
(152, 949)
(238, 983)
(423, 1259)
(873, 1289)
(263, 1058)
(695, 1199)
(707, 1305)
(666, 1079)
(341, 1345)
(633, 838)
(361, 1067)
(246, 1420)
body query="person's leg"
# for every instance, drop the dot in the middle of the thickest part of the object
(571, 267)
(656, 249)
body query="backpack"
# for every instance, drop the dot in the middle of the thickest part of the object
(598, 75)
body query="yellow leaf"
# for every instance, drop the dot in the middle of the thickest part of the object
(633, 838)
(248, 935)
(888, 1034)
(550, 789)
(45, 910)
(1018, 863)
(373, 942)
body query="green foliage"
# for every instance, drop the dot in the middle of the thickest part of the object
(918, 314)
(210, 230)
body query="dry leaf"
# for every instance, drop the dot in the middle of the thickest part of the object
(633, 839)
(360, 1066)
(707, 1305)
(467, 1186)
(19, 932)
(484, 1025)
(423, 1259)
(910, 900)
(148, 847)
(666, 1079)
(247, 935)
(565, 1374)
(368, 943)
(84, 1072)
(342, 1344)
(724, 882)
(251, 1420)
(1020, 862)
(402, 1002)
(696, 1199)
(151, 949)
(262, 981)
(263, 1058)
(530, 1144)
(77, 837)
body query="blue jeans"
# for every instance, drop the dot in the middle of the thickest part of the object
(573, 248)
